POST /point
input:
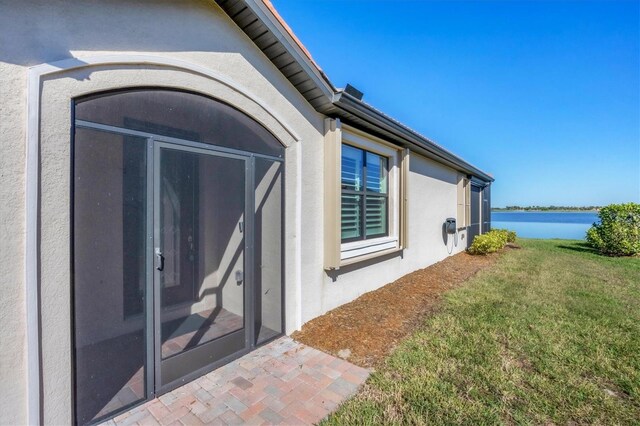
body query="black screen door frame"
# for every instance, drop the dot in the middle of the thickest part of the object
(216, 348)
(153, 383)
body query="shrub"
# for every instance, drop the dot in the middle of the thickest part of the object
(618, 233)
(490, 242)
(511, 235)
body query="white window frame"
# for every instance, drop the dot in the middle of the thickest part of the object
(356, 249)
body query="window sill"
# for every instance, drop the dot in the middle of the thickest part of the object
(370, 256)
(358, 249)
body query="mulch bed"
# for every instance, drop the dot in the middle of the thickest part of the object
(373, 324)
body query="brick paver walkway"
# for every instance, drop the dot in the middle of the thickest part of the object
(284, 382)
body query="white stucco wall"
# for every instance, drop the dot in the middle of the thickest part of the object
(13, 384)
(36, 32)
(432, 198)
(199, 33)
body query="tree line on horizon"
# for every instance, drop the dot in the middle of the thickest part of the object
(548, 208)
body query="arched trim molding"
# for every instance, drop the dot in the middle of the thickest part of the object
(35, 77)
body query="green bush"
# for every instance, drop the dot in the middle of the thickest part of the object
(618, 233)
(511, 235)
(490, 242)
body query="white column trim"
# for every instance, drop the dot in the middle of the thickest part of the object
(298, 243)
(31, 250)
(35, 76)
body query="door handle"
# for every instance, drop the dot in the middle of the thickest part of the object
(159, 260)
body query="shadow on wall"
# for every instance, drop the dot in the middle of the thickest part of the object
(442, 182)
(54, 29)
(334, 274)
(445, 234)
(430, 169)
(42, 31)
(451, 241)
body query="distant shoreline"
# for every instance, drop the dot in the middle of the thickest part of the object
(543, 210)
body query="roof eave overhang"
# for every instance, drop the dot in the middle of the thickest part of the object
(260, 9)
(349, 108)
(262, 24)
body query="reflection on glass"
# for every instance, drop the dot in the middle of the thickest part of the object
(201, 232)
(376, 173)
(376, 216)
(351, 216)
(109, 226)
(370, 197)
(351, 168)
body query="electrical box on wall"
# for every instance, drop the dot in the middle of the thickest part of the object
(450, 225)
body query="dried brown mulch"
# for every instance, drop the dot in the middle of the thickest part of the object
(373, 324)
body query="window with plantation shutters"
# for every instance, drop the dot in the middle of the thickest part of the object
(365, 192)
(365, 196)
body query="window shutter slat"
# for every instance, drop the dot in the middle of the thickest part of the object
(376, 216)
(364, 205)
(351, 213)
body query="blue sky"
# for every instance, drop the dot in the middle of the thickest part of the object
(544, 95)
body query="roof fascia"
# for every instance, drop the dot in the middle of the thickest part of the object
(267, 17)
(339, 101)
(376, 118)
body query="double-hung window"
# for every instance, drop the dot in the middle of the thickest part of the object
(365, 194)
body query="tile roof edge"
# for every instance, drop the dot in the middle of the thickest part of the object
(295, 38)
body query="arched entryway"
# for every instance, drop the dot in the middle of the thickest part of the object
(177, 242)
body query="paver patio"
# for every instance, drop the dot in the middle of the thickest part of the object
(283, 382)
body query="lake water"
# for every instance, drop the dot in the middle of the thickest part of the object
(565, 225)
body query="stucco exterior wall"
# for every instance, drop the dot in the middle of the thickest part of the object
(199, 33)
(12, 228)
(37, 32)
(432, 197)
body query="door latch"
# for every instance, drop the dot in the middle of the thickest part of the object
(159, 259)
(239, 276)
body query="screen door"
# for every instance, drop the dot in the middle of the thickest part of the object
(178, 238)
(200, 202)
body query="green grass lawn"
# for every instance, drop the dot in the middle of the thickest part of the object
(550, 334)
